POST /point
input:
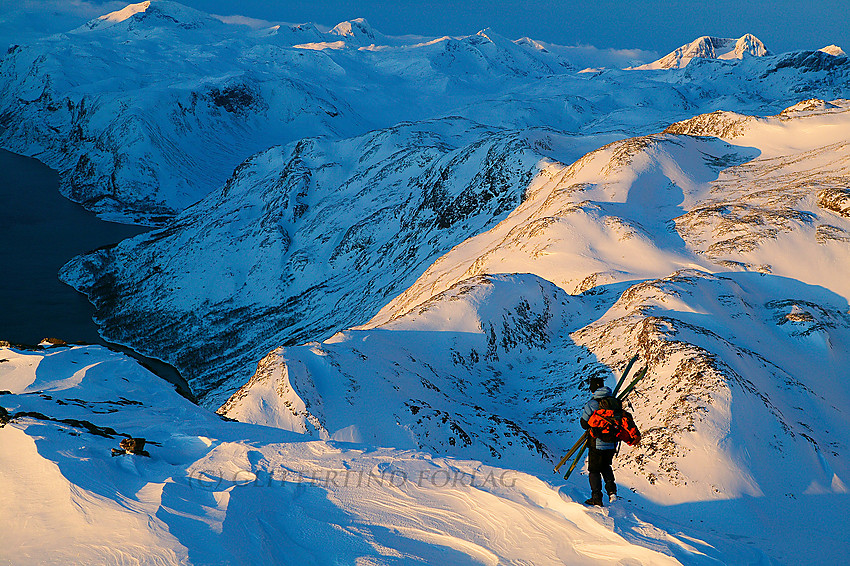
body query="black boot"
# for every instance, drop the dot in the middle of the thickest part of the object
(595, 499)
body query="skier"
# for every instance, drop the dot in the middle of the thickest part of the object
(600, 454)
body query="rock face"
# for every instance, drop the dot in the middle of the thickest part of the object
(836, 199)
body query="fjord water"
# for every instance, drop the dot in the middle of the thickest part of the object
(40, 231)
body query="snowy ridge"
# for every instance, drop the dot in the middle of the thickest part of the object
(118, 16)
(613, 191)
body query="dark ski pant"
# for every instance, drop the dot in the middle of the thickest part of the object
(599, 468)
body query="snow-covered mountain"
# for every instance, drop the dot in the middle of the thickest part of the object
(146, 110)
(307, 239)
(834, 50)
(403, 257)
(707, 47)
(241, 261)
(716, 258)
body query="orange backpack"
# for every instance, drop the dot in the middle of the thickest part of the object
(610, 423)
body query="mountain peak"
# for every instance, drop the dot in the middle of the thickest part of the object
(357, 28)
(153, 13)
(833, 50)
(118, 16)
(709, 47)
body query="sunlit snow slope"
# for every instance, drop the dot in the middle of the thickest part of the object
(721, 261)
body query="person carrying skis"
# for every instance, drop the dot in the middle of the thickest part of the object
(601, 451)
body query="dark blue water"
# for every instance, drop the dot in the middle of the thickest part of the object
(40, 230)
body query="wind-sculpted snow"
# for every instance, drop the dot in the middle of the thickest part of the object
(147, 110)
(219, 492)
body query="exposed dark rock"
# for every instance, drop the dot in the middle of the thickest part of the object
(809, 61)
(133, 445)
(237, 99)
(835, 199)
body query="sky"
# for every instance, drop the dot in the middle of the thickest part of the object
(651, 25)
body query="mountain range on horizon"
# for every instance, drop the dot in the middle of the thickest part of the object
(403, 257)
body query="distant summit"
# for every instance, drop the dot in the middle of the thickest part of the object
(707, 47)
(357, 29)
(834, 50)
(151, 14)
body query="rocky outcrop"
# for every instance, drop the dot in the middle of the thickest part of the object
(835, 199)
